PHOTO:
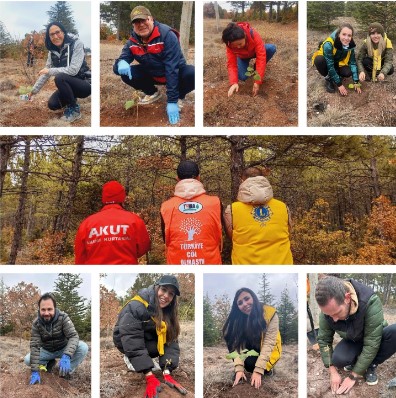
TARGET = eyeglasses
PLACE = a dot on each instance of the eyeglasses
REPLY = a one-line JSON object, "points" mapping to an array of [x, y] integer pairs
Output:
{"points": [[56, 33]]}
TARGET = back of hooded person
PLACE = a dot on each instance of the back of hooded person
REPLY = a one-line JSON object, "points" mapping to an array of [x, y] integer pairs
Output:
{"points": [[259, 225], [191, 221]]}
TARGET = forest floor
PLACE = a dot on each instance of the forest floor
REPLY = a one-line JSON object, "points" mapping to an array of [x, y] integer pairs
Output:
{"points": [[116, 381], [15, 112], [15, 375], [114, 93], [318, 385], [375, 106], [277, 101], [218, 376]]}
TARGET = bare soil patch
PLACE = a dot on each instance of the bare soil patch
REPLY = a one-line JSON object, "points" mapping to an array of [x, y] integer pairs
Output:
{"points": [[15, 375], [277, 102], [318, 384], [117, 382], [218, 376], [17, 113], [114, 93], [375, 106]]}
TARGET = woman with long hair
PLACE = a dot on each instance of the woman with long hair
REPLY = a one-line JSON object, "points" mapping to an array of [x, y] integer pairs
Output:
{"points": [[148, 327], [66, 62], [251, 332], [335, 60], [375, 57]]}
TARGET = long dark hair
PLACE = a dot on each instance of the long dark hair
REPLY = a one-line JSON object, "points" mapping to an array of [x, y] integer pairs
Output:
{"points": [[169, 314], [240, 330], [48, 43]]}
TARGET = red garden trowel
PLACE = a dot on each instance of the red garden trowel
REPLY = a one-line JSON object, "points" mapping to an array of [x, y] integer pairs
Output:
{"points": [[313, 334]]}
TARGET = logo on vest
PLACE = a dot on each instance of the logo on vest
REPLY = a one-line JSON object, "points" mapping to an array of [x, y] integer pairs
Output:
{"points": [[190, 207], [191, 227], [107, 230], [261, 214]]}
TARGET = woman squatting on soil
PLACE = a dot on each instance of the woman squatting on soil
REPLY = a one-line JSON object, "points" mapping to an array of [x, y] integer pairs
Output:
{"points": [[375, 57], [244, 43], [335, 60], [252, 335], [148, 327], [66, 62]]}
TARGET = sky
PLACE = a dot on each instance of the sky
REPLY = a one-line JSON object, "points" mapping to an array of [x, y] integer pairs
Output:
{"points": [[20, 17], [219, 284], [45, 282], [120, 283]]}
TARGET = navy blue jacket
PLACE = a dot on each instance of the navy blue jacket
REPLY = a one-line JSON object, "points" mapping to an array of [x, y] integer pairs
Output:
{"points": [[161, 56]]}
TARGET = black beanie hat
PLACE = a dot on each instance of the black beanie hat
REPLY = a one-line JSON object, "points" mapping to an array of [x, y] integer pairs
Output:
{"points": [[376, 27], [187, 169]]}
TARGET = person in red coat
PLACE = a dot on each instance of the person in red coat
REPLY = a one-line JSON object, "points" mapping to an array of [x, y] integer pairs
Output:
{"points": [[113, 235], [243, 44]]}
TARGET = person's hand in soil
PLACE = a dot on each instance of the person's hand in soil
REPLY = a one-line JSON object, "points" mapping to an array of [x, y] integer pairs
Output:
{"points": [[335, 379], [255, 381], [35, 378], [346, 386], [362, 76], [233, 89], [343, 91], [357, 88], [171, 382], [381, 77], [238, 377], [153, 386], [256, 88], [43, 71]]}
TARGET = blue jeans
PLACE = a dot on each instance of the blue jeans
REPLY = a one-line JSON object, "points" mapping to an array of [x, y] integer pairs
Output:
{"points": [[243, 63], [75, 360]]}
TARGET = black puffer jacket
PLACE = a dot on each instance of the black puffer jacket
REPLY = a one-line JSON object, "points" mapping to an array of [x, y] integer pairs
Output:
{"points": [[135, 330], [54, 336]]}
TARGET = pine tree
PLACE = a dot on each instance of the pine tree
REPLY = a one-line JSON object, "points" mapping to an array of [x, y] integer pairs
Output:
{"points": [[61, 12], [320, 14], [142, 281], [288, 319], [264, 293], [68, 300], [211, 333]]}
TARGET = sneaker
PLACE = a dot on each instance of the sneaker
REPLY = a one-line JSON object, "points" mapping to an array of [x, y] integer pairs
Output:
{"points": [[180, 104], [71, 113], [348, 368], [329, 85], [371, 377], [149, 99]]}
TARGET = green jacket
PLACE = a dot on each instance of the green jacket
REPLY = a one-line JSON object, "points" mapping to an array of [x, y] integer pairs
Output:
{"points": [[366, 326], [387, 58]]}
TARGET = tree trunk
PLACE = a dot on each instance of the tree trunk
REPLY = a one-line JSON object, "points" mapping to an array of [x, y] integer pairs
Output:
{"points": [[313, 305], [185, 25], [183, 147], [373, 168], [118, 21], [19, 216], [237, 164], [216, 8]]}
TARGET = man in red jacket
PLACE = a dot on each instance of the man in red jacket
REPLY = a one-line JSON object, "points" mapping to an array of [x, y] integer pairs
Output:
{"points": [[113, 235], [244, 43]]}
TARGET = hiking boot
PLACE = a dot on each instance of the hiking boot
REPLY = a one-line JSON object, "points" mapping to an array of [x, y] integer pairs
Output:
{"points": [[269, 373], [149, 99], [71, 113], [348, 368], [329, 85], [50, 365], [371, 376]]}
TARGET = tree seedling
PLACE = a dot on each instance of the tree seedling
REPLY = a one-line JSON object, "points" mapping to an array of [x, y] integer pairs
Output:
{"points": [[352, 85], [24, 90], [252, 72]]}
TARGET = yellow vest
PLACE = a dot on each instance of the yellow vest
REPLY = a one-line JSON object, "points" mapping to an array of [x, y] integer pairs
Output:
{"points": [[269, 312], [343, 62], [260, 234]]}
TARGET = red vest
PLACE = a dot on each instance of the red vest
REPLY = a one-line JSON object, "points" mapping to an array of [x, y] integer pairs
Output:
{"points": [[192, 230]]}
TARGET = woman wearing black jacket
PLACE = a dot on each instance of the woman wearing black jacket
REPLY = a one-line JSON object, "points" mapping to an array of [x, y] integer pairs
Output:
{"points": [[66, 62], [148, 327]]}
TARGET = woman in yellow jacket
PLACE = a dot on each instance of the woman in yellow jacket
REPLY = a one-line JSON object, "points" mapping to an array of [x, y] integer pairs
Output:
{"points": [[251, 332]]}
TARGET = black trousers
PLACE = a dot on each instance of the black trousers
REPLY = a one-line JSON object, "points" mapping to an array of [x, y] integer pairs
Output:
{"points": [[347, 351], [69, 88], [368, 65], [321, 66]]}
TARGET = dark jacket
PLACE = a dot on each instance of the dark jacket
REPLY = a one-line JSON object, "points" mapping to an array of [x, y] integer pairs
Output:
{"points": [[161, 56], [135, 335], [59, 334], [365, 326]]}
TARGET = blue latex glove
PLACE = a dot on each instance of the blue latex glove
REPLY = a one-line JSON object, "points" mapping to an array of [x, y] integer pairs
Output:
{"points": [[173, 112], [124, 69], [64, 365], [35, 378]]}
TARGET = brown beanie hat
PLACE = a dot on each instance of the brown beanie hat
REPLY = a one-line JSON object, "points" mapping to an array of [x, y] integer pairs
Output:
{"points": [[376, 27], [113, 192]]}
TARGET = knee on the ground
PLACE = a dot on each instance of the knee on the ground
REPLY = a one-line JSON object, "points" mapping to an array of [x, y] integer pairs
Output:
{"points": [[26, 360], [83, 348]]}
